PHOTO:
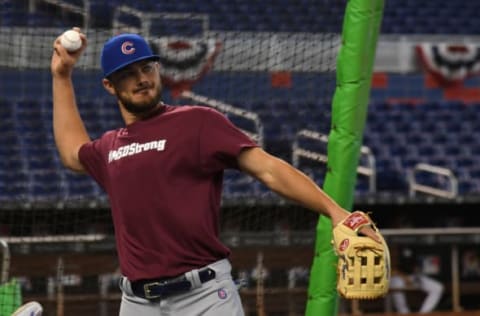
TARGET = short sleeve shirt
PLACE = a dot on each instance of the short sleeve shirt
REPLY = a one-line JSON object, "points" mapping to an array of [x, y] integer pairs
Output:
{"points": [[163, 176]]}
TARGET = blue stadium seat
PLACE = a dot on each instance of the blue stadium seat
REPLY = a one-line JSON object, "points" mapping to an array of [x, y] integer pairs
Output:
{"points": [[15, 184], [322, 16], [400, 135], [45, 185], [79, 186]]}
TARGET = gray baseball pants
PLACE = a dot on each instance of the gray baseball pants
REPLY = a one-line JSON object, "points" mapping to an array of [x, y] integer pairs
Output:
{"points": [[217, 297]]}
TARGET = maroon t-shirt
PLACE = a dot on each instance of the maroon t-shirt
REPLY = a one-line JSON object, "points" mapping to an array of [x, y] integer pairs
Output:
{"points": [[163, 176]]}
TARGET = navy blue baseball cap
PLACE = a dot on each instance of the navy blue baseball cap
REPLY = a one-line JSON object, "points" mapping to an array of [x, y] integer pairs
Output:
{"points": [[123, 50]]}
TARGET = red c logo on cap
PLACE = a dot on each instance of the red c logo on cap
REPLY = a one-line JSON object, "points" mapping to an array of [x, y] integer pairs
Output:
{"points": [[128, 48]]}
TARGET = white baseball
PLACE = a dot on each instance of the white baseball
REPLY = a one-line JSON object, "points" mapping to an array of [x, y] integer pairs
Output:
{"points": [[71, 40]]}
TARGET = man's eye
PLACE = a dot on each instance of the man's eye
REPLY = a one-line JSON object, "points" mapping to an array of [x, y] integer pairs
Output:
{"points": [[147, 68], [124, 74]]}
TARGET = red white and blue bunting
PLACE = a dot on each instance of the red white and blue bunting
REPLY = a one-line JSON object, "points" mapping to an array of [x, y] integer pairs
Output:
{"points": [[185, 61], [450, 62]]}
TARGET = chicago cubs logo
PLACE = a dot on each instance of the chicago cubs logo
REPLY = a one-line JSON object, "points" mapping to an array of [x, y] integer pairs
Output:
{"points": [[222, 294], [344, 244], [128, 48]]}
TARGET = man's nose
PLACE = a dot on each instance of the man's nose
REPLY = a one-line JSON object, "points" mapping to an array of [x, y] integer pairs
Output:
{"points": [[140, 76]]}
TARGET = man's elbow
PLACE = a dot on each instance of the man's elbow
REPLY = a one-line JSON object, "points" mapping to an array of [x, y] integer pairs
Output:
{"points": [[72, 164]]}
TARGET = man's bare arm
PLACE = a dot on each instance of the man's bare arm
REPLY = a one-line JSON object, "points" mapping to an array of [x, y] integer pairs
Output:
{"points": [[291, 183], [68, 128]]}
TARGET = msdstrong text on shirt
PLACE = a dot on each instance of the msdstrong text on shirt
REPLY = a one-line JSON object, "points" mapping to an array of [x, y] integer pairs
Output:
{"points": [[136, 148]]}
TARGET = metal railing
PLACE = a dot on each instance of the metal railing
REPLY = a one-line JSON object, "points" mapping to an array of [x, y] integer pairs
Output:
{"points": [[5, 262], [256, 135], [368, 170], [146, 18], [450, 192], [83, 10]]}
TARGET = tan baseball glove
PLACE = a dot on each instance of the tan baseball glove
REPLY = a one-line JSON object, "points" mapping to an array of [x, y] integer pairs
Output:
{"points": [[363, 270]]}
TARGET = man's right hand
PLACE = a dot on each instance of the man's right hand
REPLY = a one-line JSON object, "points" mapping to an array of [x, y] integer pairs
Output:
{"points": [[62, 61]]}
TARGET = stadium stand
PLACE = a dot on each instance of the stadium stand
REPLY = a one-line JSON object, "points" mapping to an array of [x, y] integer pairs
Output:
{"points": [[401, 134], [400, 17], [411, 119]]}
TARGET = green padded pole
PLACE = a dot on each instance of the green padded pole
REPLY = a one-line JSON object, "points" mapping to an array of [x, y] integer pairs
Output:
{"points": [[361, 26]]}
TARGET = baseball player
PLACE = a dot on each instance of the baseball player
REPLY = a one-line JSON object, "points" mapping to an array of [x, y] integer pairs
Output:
{"points": [[163, 174], [407, 273]]}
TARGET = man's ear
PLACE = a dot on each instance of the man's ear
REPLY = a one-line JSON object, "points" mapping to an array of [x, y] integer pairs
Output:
{"points": [[107, 84]]}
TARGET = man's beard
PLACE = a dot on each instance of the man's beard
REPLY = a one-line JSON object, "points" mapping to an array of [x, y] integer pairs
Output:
{"points": [[140, 107]]}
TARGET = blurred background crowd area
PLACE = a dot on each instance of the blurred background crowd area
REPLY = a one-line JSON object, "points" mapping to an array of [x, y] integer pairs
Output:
{"points": [[273, 61], [423, 104]]}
